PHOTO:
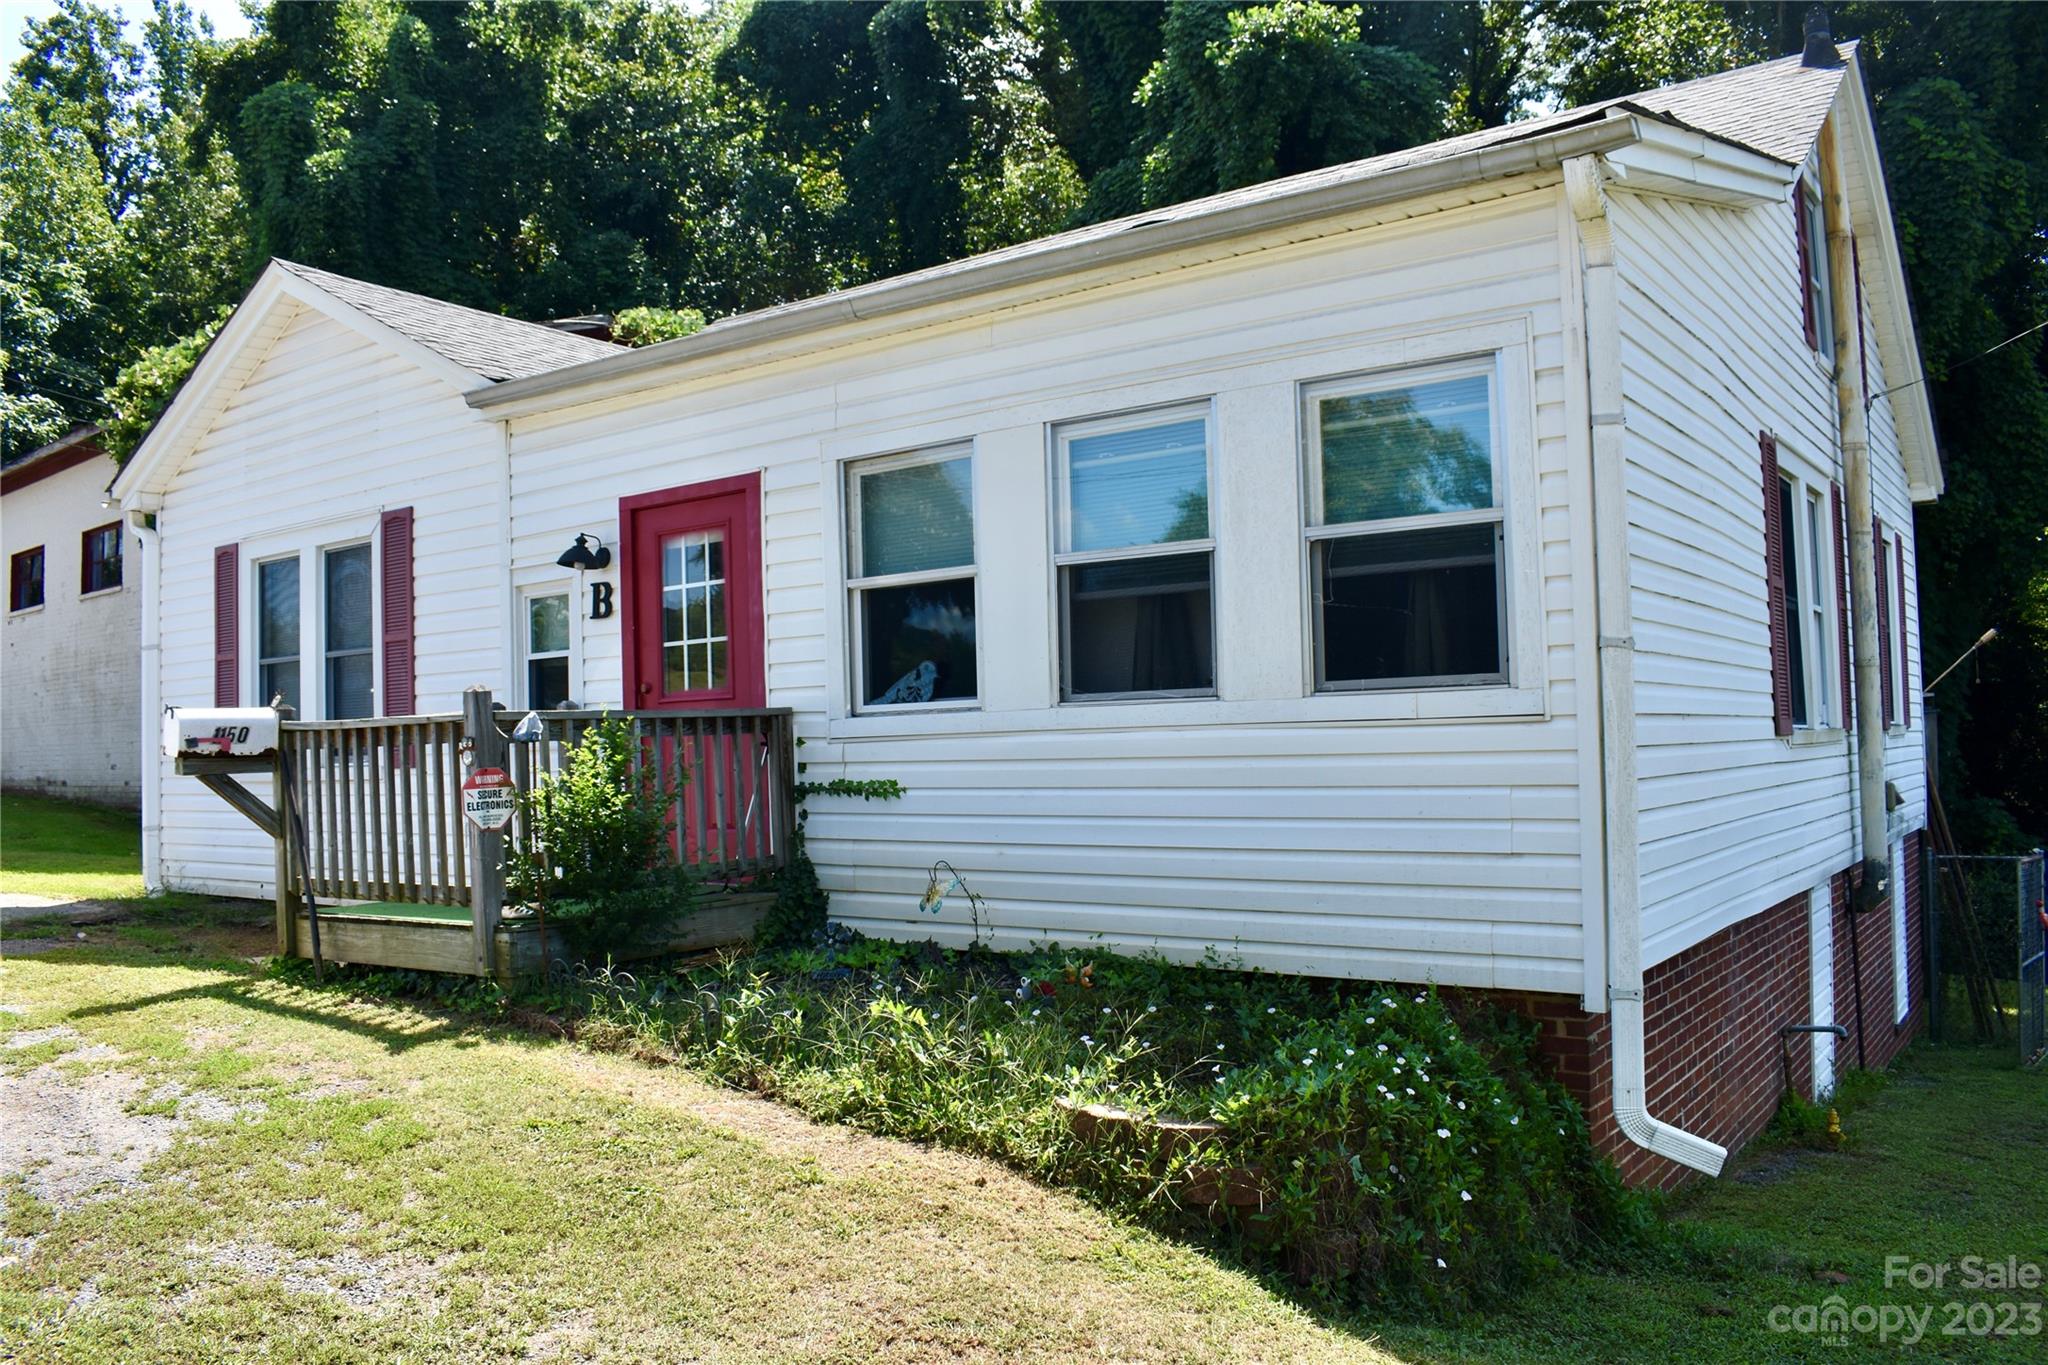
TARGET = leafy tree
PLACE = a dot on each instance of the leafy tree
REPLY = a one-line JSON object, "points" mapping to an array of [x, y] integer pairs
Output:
{"points": [[645, 326]]}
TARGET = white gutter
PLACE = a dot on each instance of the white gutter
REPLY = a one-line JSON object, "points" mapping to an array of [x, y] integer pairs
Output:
{"points": [[1059, 264], [1585, 189], [152, 770]]}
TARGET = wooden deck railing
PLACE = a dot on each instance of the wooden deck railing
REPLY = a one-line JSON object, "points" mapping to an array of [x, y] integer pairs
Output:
{"points": [[383, 808]]}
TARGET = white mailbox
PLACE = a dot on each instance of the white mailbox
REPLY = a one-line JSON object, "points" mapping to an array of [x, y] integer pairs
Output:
{"points": [[220, 731]]}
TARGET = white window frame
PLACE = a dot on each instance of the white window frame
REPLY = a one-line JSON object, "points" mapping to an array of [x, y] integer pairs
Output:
{"points": [[1060, 437], [1822, 706], [1315, 530], [307, 543], [259, 697], [1819, 265], [555, 587], [857, 584]]}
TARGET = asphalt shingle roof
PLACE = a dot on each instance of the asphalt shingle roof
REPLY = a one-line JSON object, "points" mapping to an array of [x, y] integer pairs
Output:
{"points": [[488, 344]]}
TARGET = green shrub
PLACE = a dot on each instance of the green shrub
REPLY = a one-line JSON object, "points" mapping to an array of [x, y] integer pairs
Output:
{"points": [[601, 856], [1402, 1151]]}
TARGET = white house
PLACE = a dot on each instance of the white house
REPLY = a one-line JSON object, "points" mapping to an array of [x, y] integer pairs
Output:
{"points": [[67, 642], [1488, 564]]}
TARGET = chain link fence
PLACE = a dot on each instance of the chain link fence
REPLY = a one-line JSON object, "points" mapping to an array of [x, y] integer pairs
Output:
{"points": [[1985, 944]]}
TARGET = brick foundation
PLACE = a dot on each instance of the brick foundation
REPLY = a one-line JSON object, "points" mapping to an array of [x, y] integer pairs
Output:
{"points": [[1711, 1019]]}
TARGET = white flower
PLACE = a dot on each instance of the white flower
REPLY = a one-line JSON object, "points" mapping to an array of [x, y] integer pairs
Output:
{"points": [[1210, 1006], [1420, 1074], [1219, 1047], [1311, 1052], [1383, 1047], [1086, 1039], [1105, 1009], [1465, 1195], [1272, 1009], [1388, 1002], [1034, 1014], [1440, 1264], [1372, 1019], [1219, 1068], [1560, 1132], [1151, 1009], [1418, 999], [1443, 1132], [1349, 1053], [1409, 1088], [1516, 1122], [1461, 1104]]}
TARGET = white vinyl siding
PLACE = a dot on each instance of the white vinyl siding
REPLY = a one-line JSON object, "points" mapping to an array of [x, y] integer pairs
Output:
{"points": [[327, 429], [1733, 819], [1416, 833]]}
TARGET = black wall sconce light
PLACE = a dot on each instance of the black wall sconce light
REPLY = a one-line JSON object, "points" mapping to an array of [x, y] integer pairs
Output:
{"points": [[582, 556]]}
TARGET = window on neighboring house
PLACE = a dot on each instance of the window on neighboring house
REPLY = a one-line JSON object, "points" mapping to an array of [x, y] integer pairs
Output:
{"points": [[1819, 634], [1135, 556], [1406, 529], [347, 587], [25, 579], [277, 632], [1902, 986], [911, 574], [100, 557], [1814, 264], [1881, 559], [1796, 641], [547, 650]]}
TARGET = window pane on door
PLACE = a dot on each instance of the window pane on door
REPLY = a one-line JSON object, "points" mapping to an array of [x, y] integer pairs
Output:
{"points": [[694, 632], [1409, 605], [1140, 625], [918, 643], [547, 683], [277, 632]]}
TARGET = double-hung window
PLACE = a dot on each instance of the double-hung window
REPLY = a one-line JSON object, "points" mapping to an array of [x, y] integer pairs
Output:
{"points": [[100, 558], [1814, 585], [347, 586], [547, 650], [25, 579], [1798, 562], [1135, 556], [1406, 528], [277, 632], [911, 577], [1819, 278]]}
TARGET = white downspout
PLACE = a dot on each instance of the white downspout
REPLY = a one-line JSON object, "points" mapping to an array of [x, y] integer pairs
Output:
{"points": [[1863, 623], [151, 693], [1584, 181]]}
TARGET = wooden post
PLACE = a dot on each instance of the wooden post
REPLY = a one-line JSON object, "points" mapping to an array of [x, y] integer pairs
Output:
{"points": [[486, 748], [287, 883]]}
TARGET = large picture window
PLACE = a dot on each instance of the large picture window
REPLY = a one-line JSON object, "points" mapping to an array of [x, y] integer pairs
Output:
{"points": [[347, 584], [277, 632], [911, 572], [1136, 556], [1406, 529]]}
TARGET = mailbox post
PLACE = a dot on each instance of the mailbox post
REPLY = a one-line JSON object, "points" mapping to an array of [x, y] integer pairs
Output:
{"points": [[485, 747]]}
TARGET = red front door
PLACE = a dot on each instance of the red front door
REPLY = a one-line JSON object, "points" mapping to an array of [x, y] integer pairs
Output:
{"points": [[690, 583]]}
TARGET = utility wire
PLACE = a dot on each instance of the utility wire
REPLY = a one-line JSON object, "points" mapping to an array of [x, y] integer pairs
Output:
{"points": [[2017, 336]]}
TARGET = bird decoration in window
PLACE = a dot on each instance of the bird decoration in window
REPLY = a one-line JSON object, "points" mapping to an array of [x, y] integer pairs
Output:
{"points": [[919, 684]]}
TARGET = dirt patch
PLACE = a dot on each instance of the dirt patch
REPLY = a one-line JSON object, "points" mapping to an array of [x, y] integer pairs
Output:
{"points": [[72, 1138], [30, 947], [566, 1338], [368, 1283]]}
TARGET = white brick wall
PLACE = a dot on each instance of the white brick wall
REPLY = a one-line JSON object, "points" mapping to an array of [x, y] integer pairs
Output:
{"points": [[68, 669]]}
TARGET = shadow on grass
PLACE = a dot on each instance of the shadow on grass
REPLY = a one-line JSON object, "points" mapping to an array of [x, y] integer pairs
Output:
{"points": [[351, 1016]]}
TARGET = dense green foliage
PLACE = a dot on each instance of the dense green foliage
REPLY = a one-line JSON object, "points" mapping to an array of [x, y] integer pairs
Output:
{"points": [[600, 857], [1393, 1145], [660, 163]]}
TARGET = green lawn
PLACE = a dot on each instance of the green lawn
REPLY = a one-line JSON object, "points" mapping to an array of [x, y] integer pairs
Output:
{"points": [[239, 1167], [69, 851]]}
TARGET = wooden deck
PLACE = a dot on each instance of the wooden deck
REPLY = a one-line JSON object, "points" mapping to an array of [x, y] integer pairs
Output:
{"points": [[427, 938], [369, 828]]}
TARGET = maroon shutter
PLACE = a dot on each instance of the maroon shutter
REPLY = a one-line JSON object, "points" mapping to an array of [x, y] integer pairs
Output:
{"points": [[1805, 263], [1905, 673], [395, 535], [227, 627], [1842, 602], [1884, 618], [1774, 589]]}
